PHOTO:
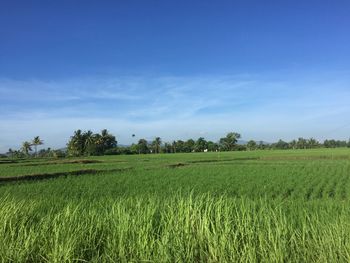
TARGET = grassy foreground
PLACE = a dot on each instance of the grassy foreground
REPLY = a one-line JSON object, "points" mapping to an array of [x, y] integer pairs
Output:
{"points": [[178, 229], [288, 206]]}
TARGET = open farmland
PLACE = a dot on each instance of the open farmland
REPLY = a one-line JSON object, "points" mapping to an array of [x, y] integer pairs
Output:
{"points": [[259, 206]]}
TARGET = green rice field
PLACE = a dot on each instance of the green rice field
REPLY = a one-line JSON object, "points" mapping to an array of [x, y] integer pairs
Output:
{"points": [[258, 206]]}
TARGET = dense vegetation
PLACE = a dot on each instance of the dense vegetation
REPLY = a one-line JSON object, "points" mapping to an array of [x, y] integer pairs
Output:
{"points": [[253, 206], [87, 143]]}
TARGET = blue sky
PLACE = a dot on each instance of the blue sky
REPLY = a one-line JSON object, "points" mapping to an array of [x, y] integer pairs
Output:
{"points": [[174, 69]]}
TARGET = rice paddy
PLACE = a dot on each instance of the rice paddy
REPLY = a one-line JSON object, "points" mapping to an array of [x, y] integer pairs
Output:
{"points": [[259, 206]]}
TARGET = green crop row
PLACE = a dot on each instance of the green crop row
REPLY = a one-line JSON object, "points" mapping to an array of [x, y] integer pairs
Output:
{"points": [[263, 206]]}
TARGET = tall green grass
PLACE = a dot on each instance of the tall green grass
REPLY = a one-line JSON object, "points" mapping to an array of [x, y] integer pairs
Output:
{"points": [[273, 206], [176, 229]]}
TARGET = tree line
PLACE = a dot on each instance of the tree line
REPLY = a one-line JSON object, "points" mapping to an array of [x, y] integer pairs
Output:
{"points": [[27, 148], [227, 143], [87, 143], [302, 143]]}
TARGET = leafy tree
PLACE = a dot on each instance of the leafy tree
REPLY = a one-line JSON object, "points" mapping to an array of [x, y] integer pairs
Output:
{"points": [[312, 143], [262, 145], [180, 146], [251, 145], [117, 151], [142, 146], [201, 145], [167, 148], [134, 148], [45, 153], [229, 142], [189, 146], [98, 144], [330, 143], [212, 146], [334, 143], [293, 144], [88, 143], [282, 145], [15, 153], [301, 143], [58, 154], [156, 144]]}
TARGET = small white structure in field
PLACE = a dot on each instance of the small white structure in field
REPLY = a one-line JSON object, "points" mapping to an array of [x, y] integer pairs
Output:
{"points": [[205, 150]]}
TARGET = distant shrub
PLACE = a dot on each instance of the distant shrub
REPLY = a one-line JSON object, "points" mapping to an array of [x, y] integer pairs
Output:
{"points": [[112, 151], [58, 154], [240, 147]]}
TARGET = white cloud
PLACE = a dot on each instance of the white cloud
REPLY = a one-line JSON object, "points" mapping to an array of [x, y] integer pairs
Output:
{"points": [[260, 107]]}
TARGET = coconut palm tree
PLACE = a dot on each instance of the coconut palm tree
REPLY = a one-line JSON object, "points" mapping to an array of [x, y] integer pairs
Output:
{"points": [[37, 141], [156, 144], [312, 143], [89, 143], [108, 140], [75, 146], [26, 148], [229, 142]]}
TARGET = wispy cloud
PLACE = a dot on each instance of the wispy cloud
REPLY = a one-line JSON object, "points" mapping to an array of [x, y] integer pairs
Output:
{"points": [[259, 106]]}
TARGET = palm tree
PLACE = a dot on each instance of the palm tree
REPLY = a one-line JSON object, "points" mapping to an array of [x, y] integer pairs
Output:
{"points": [[108, 140], [89, 143], [75, 146], [301, 143], [174, 146], [312, 143], [156, 144], [229, 142], [293, 144], [142, 146], [37, 141], [26, 147]]}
